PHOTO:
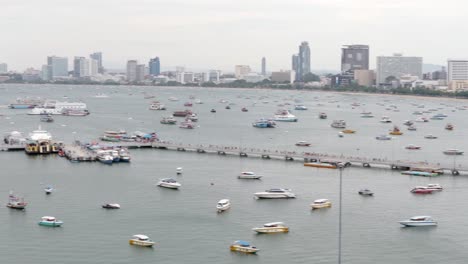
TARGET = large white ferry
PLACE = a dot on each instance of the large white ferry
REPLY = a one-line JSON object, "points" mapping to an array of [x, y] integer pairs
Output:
{"points": [[57, 108]]}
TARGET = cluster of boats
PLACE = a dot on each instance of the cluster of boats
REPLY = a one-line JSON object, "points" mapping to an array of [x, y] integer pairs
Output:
{"points": [[123, 136], [113, 155]]}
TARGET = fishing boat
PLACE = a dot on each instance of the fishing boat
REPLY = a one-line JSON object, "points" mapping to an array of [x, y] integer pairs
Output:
{"points": [[227, 107], [349, 131], [271, 228], [50, 221], [303, 144], [244, 109], [170, 120], [325, 165], [169, 183], [48, 190], [193, 117], [408, 123], [412, 147], [249, 175], [411, 128], [385, 119], [323, 115], [419, 221], [279, 193], [285, 116], [366, 192], [223, 205], [182, 113], [264, 123], [15, 202], [188, 104], [449, 127], [383, 137], [111, 206], [453, 152], [396, 131], [105, 158], [141, 240], [213, 111], [243, 246], [321, 203], [157, 106], [187, 124], [421, 190], [338, 124]]}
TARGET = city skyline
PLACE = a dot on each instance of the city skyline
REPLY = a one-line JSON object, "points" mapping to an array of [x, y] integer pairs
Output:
{"points": [[183, 36]]}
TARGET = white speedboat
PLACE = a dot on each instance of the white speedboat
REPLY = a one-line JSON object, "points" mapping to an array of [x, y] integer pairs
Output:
{"points": [[249, 175], [419, 221], [275, 194], [111, 206], [141, 240], [48, 189], [169, 183], [157, 106], [275, 227], [321, 203], [179, 170], [453, 152], [223, 205], [285, 116]]}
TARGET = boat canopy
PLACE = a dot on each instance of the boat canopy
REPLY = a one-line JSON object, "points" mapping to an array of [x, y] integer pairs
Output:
{"points": [[420, 218], [223, 201], [48, 218], [248, 173], [277, 190], [321, 201], [141, 237], [169, 180], [273, 224], [242, 243]]}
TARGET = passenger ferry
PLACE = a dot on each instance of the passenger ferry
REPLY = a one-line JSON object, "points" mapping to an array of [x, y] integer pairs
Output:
{"points": [[57, 108]]}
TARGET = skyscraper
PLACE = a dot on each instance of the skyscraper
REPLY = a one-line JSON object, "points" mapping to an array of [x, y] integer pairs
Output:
{"points": [[354, 57], [132, 70], [303, 60], [140, 72], [295, 65], [58, 66], [154, 66], [80, 67], [263, 66], [98, 56], [457, 74], [3, 68]]}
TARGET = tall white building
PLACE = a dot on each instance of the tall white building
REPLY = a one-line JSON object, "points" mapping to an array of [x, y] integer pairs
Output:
{"points": [[211, 76], [58, 67], [185, 77], [457, 74], [80, 67], [241, 71], [3, 68], [397, 66], [132, 70], [93, 67]]}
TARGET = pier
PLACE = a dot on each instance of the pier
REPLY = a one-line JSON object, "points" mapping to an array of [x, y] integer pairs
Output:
{"points": [[77, 152]]}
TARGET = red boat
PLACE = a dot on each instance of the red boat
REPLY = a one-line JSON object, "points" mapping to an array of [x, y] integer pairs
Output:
{"points": [[421, 190], [182, 113]]}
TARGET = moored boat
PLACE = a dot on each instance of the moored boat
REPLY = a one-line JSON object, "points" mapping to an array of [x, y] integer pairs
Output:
{"points": [[182, 113], [383, 137], [15, 202], [366, 192], [141, 240], [187, 124], [244, 109], [421, 190], [278, 193], [300, 107], [419, 221], [412, 147], [243, 246], [434, 187], [430, 136], [325, 165], [50, 221], [323, 115], [303, 144], [48, 189], [420, 173], [249, 175], [111, 206], [223, 205], [168, 120], [385, 119], [321, 203], [338, 124], [284, 116], [270, 228], [453, 152], [449, 127], [169, 183], [264, 123], [179, 170], [396, 131], [349, 131]]}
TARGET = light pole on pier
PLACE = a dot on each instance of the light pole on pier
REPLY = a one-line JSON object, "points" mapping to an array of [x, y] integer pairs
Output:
{"points": [[340, 167]]}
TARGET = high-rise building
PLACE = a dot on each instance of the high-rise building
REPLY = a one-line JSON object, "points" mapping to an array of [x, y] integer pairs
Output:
{"points": [[303, 60], [59, 67], [263, 66], [154, 67], [132, 70], [80, 67], [397, 66], [46, 72], [3, 68], [283, 76], [140, 72], [211, 76], [354, 57], [241, 70], [295, 64], [457, 74], [98, 56], [93, 67]]}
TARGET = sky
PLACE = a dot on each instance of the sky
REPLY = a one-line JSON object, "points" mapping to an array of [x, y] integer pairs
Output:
{"points": [[218, 34]]}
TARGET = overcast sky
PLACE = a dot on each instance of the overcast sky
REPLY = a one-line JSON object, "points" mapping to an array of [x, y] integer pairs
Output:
{"points": [[217, 34]]}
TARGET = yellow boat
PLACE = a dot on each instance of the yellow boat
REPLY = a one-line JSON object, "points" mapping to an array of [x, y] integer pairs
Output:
{"points": [[141, 240], [243, 246], [269, 228], [321, 203], [349, 131], [396, 131], [320, 165]]}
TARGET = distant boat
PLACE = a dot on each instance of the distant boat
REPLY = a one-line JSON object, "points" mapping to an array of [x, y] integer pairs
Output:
{"points": [[179, 170], [49, 190], [141, 240], [223, 205], [50, 221], [111, 206], [15, 202], [419, 221]]}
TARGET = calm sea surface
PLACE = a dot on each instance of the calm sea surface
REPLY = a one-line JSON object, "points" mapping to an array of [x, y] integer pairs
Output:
{"points": [[185, 224]]}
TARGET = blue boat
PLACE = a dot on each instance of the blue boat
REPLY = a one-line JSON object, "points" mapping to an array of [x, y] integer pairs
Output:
{"points": [[420, 173], [264, 123]]}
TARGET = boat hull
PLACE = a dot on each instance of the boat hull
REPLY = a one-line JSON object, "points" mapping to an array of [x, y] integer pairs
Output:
{"points": [[319, 206], [274, 196], [249, 250], [320, 165], [51, 224], [141, 243], [271, 230], [413, 224]]}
